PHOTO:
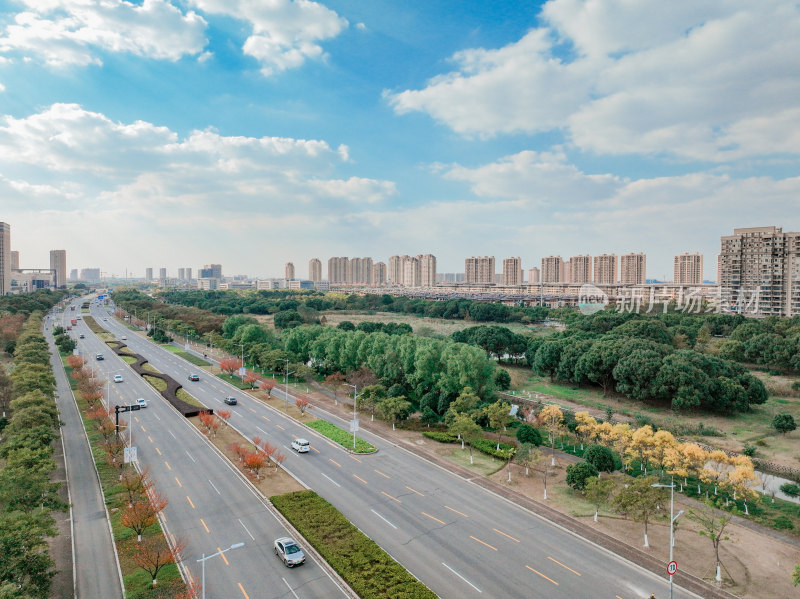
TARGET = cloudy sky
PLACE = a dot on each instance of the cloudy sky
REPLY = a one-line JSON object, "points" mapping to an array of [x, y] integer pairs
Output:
{"points": [[172, 133]]}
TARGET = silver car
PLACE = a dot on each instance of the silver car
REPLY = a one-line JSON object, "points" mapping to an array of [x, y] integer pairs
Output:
{"points": [[289, 552]]}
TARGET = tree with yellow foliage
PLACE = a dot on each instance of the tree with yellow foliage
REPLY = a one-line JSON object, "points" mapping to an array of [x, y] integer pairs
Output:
{"points": [[621, 437], [660, 444], [641, 442], [552, 419]]}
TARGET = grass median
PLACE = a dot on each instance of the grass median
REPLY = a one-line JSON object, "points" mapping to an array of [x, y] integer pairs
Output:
{"points": [[367, 568], [340, 436]]}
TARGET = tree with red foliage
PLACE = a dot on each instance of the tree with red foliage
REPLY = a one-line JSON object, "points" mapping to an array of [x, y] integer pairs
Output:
{"points": [[239, 450], [267, 385], [75, 362], [136, 484], [143, 513], [209, 423], [278, 458], [335, 380], [192, 590], [224, 415], [254, 461], [152, 554], [250, 378], [230, 365], [302, 404], [114, 447]]}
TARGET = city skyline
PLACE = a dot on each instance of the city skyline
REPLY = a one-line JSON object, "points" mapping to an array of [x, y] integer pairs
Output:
{"points": [[187, 132]]}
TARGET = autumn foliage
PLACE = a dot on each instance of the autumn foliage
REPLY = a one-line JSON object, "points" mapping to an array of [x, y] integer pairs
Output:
{"points": [[302, 404], [230, 365], [153, 553], [143, 513], [209, 423]]}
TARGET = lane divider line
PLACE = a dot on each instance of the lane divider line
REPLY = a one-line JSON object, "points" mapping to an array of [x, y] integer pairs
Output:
{"points": [[505, 535], [384, 519], [361, 479], [204, 525], [390, 497], [434, 518], [166, 463], [542, 575], [247, 531], [447, 507], [414, 491], [158, 450], [563, 566], [179, 482], [352, 457], [241, 588], [462, 578], [222, 555], [483, 542], [335, 462], [382, 474], [189, 499]]}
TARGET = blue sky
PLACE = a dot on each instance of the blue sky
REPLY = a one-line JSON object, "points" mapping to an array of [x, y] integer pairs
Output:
{"points": [[174, 133]]}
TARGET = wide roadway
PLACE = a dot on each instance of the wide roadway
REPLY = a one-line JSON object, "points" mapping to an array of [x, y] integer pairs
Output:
{"points": [[457, 538], [210, 506]]}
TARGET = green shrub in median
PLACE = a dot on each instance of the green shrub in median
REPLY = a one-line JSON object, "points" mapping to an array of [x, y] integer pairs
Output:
{"points": [[367, 568], [486, 446], [342, 437]]}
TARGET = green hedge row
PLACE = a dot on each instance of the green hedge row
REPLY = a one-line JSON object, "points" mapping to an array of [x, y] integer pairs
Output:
{"points": [[486, 446], [342, 437], [367, 568]]}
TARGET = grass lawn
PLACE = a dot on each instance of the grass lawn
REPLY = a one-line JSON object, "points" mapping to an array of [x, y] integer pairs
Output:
{"points": [[340, 436], [483, 464], [191, 358]]}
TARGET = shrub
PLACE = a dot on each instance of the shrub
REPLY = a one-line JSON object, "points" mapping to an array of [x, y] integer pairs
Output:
{"points": [[441, 437], [784, 423], [577, 474], [791, 489], [783, 523], [749, 450], [489, 447], [529, 434], [340, 436], [600, 457]]}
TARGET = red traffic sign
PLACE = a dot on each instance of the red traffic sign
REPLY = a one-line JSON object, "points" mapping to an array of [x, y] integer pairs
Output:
{"points": [[672, 567]]}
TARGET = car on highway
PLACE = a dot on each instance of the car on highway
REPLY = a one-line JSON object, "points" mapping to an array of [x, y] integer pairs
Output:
{"points": [[231, 401], [300, 445], [141, 402], [124, 338], [289, 552], [81, 336], [99, 357], [105, 319], [118, 378], [194, 377]]}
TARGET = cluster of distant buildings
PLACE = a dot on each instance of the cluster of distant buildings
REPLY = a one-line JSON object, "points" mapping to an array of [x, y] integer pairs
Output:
{"points": [[758, 273]]}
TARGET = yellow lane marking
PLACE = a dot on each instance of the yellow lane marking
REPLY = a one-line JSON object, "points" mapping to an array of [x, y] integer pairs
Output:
{"points": [[335, 462], [267, 419], [204, 525], [158, 450], [447, 507], [482, 543], [166, 463], [252, 410], [179, 482], [361, 479], [315, 449], [505, 535], [433, 518], [352, 457], [241, 588], [149, 438], [390, 497], [190, 501], [618, 597], [280, 427], [542, 575], [143, 429], [222, 555], [382, 474], [414, 491], [563, 566], [136, 419]]}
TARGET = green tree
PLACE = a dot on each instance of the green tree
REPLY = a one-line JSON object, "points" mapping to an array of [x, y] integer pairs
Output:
{"points": [[287, 319], [527, 433], [24, 554], [640, 501], [600, 457], [499, 417], [598, 491], [784, 423], [527, 456], [579, 473], [712, 523], [502, 379], [394, 409], [232, 323], [466, 403], [467, 429], [6, 391]]}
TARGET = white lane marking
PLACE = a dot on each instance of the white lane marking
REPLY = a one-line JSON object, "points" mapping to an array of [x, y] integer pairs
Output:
{"points": [[215, 488], [190, 456], [173, 434], [290, 589], [384, 519], [286, 448], [157, 416], [330, 479], [247, 531], [462, 578], [261, 429]]}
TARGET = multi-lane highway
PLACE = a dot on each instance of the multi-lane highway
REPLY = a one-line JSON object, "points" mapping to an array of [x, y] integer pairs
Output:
{"points": [[459, 539], [210, 506]]}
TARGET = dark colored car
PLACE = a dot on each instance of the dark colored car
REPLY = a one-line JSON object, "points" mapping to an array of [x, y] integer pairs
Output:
{"points": [[231, 401], [194, 377]]}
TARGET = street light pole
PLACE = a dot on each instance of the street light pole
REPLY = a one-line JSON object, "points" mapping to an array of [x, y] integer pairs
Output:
{"points": [[355, 396], [672, 519], [203, 559], [241, 372], [286, 388]]}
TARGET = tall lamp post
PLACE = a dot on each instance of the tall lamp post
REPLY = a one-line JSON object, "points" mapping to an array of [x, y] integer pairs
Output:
{"points": [[241, 372], [286, 382], [203, 559], [355, 396], [672, 519]]}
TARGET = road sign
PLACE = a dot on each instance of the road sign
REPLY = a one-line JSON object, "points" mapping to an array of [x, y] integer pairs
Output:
{"points": [[135, 408], [242, 371], [186, 346], [354, 426], [129, 454], [122, 409], [672, 567]]}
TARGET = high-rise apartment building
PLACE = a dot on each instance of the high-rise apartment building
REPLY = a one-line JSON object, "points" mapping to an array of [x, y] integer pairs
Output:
{"points": [[512, 271], [5, 258], [759, 272], [605, 269], [73, 274], [189, 274], [289, 271], [181, 274], [162, 273], [580, 269], [216, 270], [379, 273], [90, 274], [633, 269], [58, 264], [533, 275], [14, 260], [360, 271], [315, 270], [427, 266], [552, 270], [412, 272], [688, 269], [394, 271], [338, 270], [566, 271], [148, 274], [479, 269]]}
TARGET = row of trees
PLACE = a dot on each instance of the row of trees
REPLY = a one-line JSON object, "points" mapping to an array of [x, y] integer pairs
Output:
{"points": [[772, 342], [27, 495]]}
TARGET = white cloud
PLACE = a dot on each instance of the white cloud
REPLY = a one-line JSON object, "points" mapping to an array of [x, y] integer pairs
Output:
{"points": [[285, 33], [706, 82], [76, 32]]}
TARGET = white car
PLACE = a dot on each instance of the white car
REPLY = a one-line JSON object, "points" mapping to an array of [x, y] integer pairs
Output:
{"points": [[124, 338], [141, 402], [117, 378], [300, 445]]}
